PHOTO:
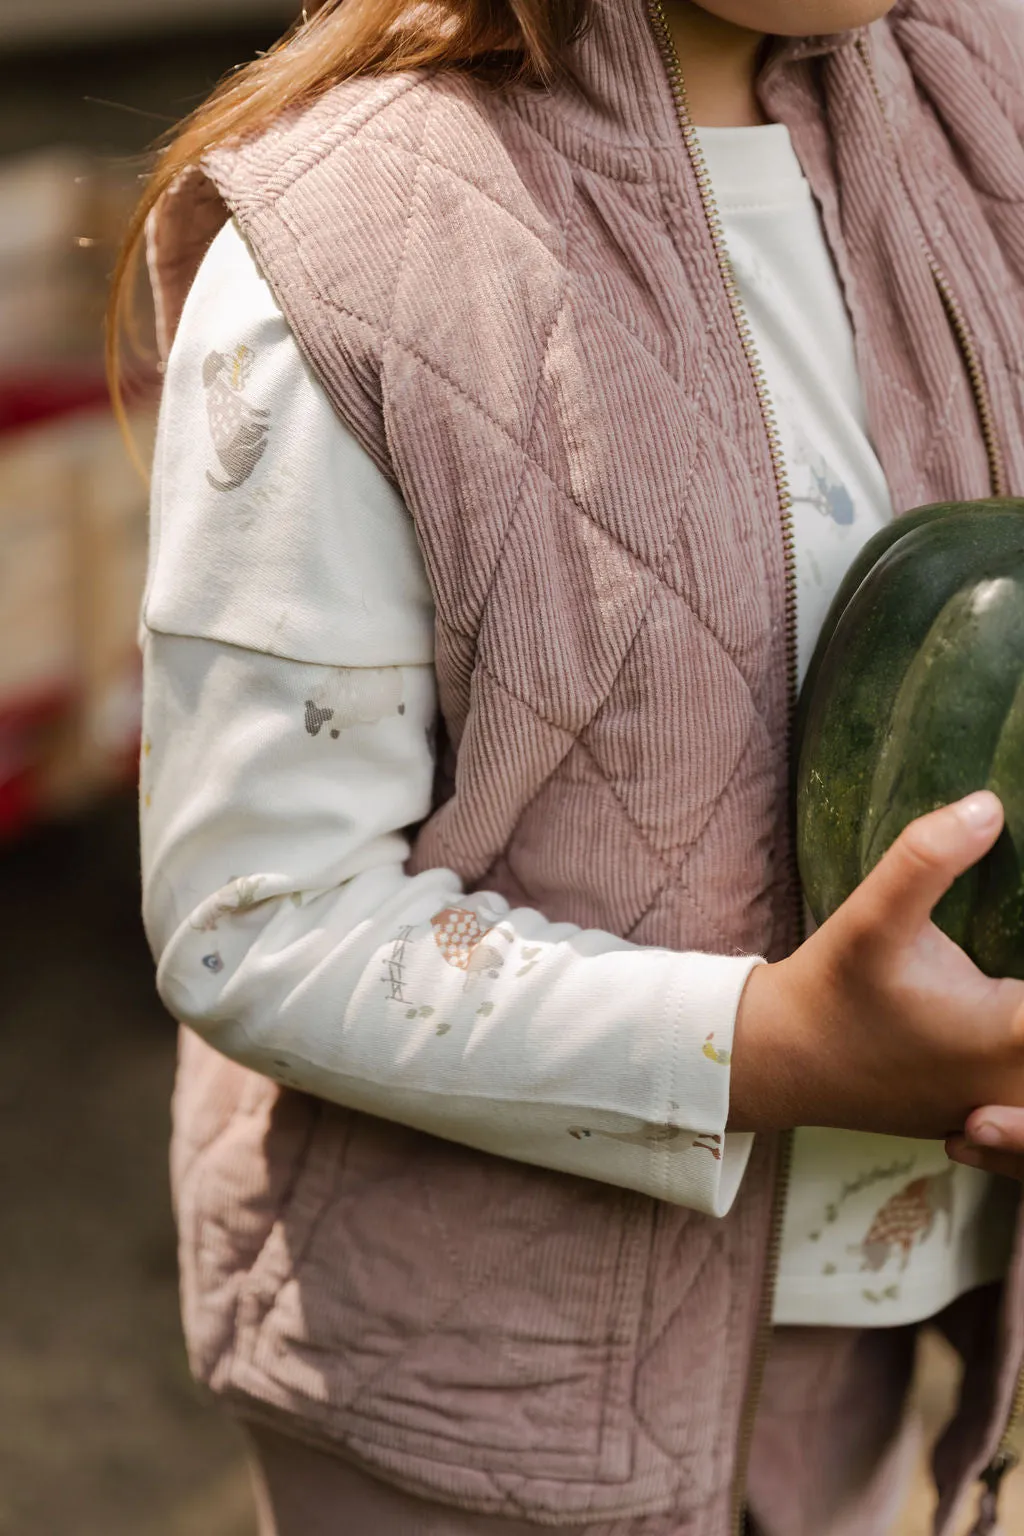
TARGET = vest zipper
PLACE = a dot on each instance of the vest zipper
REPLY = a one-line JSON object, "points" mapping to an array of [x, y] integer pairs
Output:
{"points": [[1011, 1445], [951, 304], [1007, 1457], [677, 84]]}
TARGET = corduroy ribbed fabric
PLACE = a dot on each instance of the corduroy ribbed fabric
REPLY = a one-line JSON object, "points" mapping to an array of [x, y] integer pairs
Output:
{"points": [[514, 302]]}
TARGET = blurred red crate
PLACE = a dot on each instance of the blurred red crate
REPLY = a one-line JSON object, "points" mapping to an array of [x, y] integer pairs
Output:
{"points": [[73, 529], [27, 400]]}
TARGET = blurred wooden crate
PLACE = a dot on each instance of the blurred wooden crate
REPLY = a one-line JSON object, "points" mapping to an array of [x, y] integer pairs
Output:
{"points": [[61, 218], [73, 527]]}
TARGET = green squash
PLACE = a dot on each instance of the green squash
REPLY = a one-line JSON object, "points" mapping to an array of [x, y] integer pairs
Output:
{"points": [[913, 698]]}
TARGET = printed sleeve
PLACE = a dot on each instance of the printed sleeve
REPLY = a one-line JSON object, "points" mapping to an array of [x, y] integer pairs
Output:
{"points": [[271, 527], [288, 934], [289, 709]]}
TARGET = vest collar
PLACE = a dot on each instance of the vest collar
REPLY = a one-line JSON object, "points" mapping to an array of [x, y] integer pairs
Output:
{"points": [[619, 64]]}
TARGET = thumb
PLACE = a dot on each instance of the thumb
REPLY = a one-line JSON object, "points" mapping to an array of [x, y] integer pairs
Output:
{"points": [[907, 883]]}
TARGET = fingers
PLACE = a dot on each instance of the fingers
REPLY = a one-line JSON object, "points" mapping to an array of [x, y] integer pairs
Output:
{"points": [[997, 1128], [1010, 1165], [993, 1140], [900, 892]]}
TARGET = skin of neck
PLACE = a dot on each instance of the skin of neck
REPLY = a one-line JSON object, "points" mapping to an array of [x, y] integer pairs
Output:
{"points": [[719, 61]]}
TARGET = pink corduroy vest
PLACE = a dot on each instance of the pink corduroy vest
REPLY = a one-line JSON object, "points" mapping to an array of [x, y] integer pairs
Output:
{"points": [[514, 302]]}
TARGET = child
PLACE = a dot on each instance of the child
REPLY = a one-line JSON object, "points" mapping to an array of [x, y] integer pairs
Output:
{"points": [[535, 372]]}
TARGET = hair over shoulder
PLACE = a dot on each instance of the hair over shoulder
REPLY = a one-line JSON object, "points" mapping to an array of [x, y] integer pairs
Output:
{"points": [[501, 43]]}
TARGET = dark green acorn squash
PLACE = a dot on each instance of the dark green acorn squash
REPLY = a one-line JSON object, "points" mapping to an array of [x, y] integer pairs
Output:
{"points": [[913, 698]]}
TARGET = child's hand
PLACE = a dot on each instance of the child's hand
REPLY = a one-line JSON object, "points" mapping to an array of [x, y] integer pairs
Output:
{"points": [[879, 1022]]}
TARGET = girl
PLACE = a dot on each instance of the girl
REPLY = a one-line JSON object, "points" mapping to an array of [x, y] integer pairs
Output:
{"points": [[535, 368]]}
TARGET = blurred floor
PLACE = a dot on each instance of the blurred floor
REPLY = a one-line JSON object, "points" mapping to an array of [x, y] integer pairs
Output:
{"points": [[101, 1430]]}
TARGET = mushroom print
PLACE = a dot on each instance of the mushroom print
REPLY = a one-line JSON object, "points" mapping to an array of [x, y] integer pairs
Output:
{"points": [[460, 935]]}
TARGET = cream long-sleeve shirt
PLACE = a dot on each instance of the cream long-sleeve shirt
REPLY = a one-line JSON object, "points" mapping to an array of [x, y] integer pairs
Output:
{"points": [[290, 704]]}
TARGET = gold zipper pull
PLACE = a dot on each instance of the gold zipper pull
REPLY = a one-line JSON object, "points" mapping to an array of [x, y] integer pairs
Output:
{"points": [[992, 1478], [691, 142]]}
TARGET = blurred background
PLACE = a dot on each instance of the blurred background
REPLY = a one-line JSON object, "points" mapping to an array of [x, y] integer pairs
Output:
{"points": [[101, 1430]]}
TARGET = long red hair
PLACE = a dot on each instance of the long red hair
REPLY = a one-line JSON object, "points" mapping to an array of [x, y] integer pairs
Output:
{"points": [[500, 42]]}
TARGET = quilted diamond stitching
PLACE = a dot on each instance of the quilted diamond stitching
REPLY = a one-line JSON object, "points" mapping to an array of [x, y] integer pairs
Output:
{"points": [[537, 1230], [675, 876], [940, 430], [424, 155], [295, 170], [695, 400], [527, 457], [673, 872], [714, 637], [407, 220], [568, 280], [643, 617], [533, 709], [383, 334], [582, 509], [456, 174], [630, 325]]}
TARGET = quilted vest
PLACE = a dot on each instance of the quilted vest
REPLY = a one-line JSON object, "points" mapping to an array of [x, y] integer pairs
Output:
{"points": [[514, 301]]}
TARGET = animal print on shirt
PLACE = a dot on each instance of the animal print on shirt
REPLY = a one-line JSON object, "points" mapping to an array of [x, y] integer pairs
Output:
{"points": [[907, 1218], [238, 429]]}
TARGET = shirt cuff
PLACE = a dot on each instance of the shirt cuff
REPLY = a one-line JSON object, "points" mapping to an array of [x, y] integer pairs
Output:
{"points": [[708, 990]]}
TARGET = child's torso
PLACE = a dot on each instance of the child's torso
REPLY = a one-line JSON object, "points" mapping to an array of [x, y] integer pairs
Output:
{"points": [[878, 1229]]}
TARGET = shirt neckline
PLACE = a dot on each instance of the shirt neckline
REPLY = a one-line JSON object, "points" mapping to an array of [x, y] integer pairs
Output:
{"points": [[754, 167]]}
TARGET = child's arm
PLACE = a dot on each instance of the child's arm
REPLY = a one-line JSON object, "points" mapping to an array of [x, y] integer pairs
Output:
{"points": [[289, 701], [291, 938]]}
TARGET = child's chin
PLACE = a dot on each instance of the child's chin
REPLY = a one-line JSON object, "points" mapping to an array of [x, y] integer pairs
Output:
{"points": [[798, 18]]}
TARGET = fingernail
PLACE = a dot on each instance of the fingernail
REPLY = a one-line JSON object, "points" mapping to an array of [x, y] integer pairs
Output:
{"points": [[987, 1135], [979, 811]]}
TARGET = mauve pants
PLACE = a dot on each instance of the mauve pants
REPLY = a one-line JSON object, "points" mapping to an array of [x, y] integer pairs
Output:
{"points": [[303, 1492]]}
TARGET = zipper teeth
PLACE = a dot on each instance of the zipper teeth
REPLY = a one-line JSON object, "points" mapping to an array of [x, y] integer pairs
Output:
{"points": [[762, 1347], [996, 467], [950, 301], [677, 83], [714, 220], [1008, 1456]]}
